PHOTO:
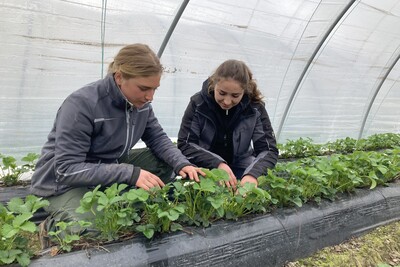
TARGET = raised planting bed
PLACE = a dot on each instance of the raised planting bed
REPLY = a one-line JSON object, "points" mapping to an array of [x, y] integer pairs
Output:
{"points": [[264, 240]]}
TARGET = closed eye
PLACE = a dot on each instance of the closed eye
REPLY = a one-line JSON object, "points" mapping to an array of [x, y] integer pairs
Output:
{"points": [[145, 88]]}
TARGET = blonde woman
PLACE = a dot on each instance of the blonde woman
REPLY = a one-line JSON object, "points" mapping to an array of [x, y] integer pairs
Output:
{"points": [[94, 131]]}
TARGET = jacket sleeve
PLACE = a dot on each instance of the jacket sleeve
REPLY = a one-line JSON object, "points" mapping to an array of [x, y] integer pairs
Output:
{"points": [[74, 128], [161, 145], [189, 139], [264, 143]]}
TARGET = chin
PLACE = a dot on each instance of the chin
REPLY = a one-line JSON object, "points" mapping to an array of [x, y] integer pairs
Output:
{"points": [[140, 105]]}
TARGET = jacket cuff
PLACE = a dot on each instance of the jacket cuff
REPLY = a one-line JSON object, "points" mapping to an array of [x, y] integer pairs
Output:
{"points": [[216, 163], [135, 175]]}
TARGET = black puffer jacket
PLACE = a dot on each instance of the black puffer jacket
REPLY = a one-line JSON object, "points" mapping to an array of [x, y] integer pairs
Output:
{"points": [[254, 143]]}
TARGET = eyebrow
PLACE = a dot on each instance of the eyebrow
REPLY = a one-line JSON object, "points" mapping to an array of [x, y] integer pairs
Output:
{"points": [[146, 87], [234, 94]]}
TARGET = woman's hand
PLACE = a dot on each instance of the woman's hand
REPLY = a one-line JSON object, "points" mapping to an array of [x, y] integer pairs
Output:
{"points": [[232, 178], [192, 172], [148, 180], [249, 179]]}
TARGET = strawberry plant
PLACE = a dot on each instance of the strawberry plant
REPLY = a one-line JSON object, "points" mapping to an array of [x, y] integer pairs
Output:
{"points": [[114, 212], [65, 234], [203, 200], [14, 223], [10, 171], [284, 192], [247, 199], [160, 213]]}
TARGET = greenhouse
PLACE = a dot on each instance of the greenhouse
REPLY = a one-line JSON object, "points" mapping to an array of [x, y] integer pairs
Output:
{"points": [[329, 74]]}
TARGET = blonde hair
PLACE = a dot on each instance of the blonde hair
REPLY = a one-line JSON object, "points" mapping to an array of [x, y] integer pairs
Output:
{"points": [[136, 60], [240, 72]]}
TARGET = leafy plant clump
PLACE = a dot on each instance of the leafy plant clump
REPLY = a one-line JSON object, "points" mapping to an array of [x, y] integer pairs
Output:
{"points": [[10, 171], [14, 224], [120, 212], [305, 147]]}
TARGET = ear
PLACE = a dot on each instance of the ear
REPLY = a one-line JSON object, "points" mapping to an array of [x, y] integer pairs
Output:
{"points": [[118, 78]]}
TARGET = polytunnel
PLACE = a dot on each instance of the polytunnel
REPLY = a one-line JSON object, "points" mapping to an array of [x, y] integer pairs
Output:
{"points": [[328, 70]]}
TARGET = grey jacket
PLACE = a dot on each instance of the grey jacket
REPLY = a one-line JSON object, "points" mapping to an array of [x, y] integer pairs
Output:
{"points": [[254, 143], [94, 127]]}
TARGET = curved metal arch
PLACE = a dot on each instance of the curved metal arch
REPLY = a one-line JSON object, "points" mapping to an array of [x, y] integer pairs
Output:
{"points": [[172, 27], [306, 68], [371, 102]]}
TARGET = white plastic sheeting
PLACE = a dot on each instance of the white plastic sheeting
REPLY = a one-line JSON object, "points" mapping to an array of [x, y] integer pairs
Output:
{"points": [[328, 69]]}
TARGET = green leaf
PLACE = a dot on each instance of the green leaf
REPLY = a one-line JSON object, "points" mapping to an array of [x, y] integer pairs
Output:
{"points": [[179, 187], [176, 227], [297, 201], [220, 212], [29, 227], [373, 183], [215, 202], [21, 219], [23, 259], [9, 162], [8, 231], [219, 175], [162, 214], [137, 194], [71, 238], [149, 233], [9, 256], [122, 187], [173, 215], [207, 185], [30, 157], [147, 230], [122, 214], [16, 205], [180, 208], [382, 169], [35, 203], [102, 203]]}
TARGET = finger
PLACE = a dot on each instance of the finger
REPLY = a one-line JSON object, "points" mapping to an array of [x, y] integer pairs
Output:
{"points": [[183, 174], [156, 181], [160, 182], [195, 176], [201, 172], [233, 180], [142, 185], [233, 184]]}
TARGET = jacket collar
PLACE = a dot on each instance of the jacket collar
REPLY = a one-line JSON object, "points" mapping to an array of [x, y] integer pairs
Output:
{"points": [[114, 92]]}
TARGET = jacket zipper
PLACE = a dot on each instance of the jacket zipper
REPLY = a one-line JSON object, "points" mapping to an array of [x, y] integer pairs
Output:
{"points": [[127, 116]]}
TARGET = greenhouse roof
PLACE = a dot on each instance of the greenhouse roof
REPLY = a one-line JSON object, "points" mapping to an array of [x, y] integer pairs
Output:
{"points": [[327, 69]]}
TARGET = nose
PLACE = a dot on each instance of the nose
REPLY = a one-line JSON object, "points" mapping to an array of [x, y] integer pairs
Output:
{"points": [[227, 101], [149, 95]]}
